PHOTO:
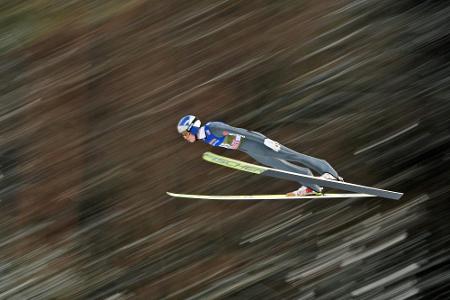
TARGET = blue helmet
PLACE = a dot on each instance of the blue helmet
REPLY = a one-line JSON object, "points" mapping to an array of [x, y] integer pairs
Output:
{"points": [[188, 123]]}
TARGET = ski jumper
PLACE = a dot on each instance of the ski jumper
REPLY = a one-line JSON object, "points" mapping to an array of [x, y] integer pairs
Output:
{"points": [[255, 144]]}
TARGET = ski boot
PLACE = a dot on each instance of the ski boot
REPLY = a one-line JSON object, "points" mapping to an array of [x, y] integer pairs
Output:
{"points": [[304, 191], [331, 177]]}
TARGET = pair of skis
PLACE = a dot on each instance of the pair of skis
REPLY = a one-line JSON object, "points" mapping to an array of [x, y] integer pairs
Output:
{"points": [[358, 191]]}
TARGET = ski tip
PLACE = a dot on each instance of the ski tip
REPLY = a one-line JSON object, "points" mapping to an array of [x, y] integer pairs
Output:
{"points": [[398, 196]]}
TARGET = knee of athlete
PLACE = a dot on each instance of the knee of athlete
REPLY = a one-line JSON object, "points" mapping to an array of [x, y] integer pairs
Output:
{"points": [[325, 162]]}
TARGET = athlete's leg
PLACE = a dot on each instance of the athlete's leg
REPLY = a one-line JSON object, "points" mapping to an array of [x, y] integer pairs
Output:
{"points": [[319, 165], [279, 159], [256, 147], [286, 166]]}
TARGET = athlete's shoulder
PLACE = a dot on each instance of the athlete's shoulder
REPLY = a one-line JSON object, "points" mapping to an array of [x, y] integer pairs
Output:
{"points": [[216, 123], [217, 128]]}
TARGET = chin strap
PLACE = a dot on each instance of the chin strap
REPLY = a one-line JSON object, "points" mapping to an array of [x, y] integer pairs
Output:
{"points": [[195, 127]]}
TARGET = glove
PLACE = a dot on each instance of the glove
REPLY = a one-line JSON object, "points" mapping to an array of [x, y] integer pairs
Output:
{"points": [[275, 146]]}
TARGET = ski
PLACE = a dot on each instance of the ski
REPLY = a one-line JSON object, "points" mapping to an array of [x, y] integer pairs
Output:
{"points": [[265, 197], [304, 179]]}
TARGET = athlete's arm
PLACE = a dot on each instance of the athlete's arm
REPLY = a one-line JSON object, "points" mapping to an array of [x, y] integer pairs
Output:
{"points": [[221, 129]]}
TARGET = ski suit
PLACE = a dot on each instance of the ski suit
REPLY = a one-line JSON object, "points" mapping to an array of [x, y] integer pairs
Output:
{"points": [[219, 134]]}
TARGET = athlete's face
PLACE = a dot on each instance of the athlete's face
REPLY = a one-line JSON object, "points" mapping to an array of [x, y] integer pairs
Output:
{"points": [[188, 137]]}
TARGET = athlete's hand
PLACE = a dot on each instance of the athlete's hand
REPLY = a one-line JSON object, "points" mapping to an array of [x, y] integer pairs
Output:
{"points": [[275, 146]]}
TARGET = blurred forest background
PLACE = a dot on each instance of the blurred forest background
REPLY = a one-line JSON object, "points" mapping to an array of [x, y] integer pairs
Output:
{"points": [[91, 92]]}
